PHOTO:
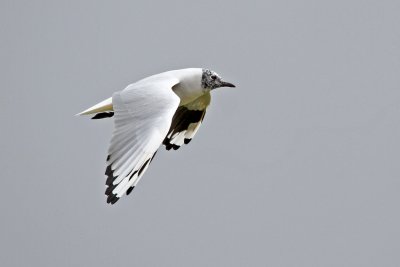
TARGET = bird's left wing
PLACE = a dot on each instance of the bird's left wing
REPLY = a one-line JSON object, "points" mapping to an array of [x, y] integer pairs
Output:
{"points": [[142, 117], [186, 122]]}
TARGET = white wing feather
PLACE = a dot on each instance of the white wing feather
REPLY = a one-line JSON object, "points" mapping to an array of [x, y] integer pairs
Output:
{"points": [[142, 117]]}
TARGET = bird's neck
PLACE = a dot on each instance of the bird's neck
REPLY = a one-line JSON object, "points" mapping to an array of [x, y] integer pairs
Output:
{"points": [[189, 87]]}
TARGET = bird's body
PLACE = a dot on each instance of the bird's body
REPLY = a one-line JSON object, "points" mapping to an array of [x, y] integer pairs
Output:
{"points": [[188, 87], [165, 108]]}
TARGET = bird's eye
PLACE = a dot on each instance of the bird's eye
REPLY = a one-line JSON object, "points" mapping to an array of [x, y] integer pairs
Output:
{"points": [[213, 76]]}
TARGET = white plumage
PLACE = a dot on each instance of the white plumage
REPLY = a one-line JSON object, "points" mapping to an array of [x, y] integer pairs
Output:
{"points": [[166, 108]]}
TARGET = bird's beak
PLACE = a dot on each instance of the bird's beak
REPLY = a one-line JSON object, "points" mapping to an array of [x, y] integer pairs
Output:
{"points": [[226, 84]]}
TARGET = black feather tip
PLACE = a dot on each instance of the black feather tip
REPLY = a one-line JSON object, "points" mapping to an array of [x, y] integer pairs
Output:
{"points": [[103, 115], [129, 190]]}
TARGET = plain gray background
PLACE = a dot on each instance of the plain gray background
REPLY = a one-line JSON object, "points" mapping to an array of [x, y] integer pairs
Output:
{"points": [[297, 166]]}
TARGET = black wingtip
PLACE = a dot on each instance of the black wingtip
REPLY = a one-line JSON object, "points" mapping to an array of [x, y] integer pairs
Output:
{"points": [[187, 140], [153, 156], [129, 190], [110, 175], [112, 199], [109, 180], [175, 147], [108, 171], [103, 115], [109, 189], [143, 166]]}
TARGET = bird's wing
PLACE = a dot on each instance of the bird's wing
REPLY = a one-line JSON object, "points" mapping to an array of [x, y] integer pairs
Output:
{"points": [[143, 115], [186, 122]]}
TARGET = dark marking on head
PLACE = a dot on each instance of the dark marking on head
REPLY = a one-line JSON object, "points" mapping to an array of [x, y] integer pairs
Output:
{"points": [[210, 79]]}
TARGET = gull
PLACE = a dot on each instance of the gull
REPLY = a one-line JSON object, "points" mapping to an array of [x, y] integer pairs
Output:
{"points": [[166, 108]]}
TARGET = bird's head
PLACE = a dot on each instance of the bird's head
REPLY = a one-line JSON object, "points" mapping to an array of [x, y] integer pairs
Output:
{"points": [[211, 80]]}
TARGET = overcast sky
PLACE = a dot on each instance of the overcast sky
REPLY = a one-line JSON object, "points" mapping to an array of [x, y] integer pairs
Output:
{"points": [[297, 166]]}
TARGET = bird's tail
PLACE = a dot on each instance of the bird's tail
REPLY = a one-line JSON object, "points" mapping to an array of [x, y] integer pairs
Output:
{"points": [[102, 110]]}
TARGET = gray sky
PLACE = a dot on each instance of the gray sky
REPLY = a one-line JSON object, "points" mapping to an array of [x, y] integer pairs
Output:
{"points": [[297, 166]]}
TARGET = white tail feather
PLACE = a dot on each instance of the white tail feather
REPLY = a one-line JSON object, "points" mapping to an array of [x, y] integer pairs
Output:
{"points": [[105, 105]]}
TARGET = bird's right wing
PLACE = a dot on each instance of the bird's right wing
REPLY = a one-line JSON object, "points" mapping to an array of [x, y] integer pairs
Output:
{"points": [[142, 116]]}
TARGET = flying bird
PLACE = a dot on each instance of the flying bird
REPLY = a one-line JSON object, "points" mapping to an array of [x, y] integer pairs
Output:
{"points": [[166, 108]]}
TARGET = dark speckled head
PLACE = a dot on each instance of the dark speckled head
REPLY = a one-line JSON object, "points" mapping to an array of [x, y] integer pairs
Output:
{"points": [[211, 80]]}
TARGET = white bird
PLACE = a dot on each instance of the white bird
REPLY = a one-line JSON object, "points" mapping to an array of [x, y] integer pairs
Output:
{"points": [[165, 108]]}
